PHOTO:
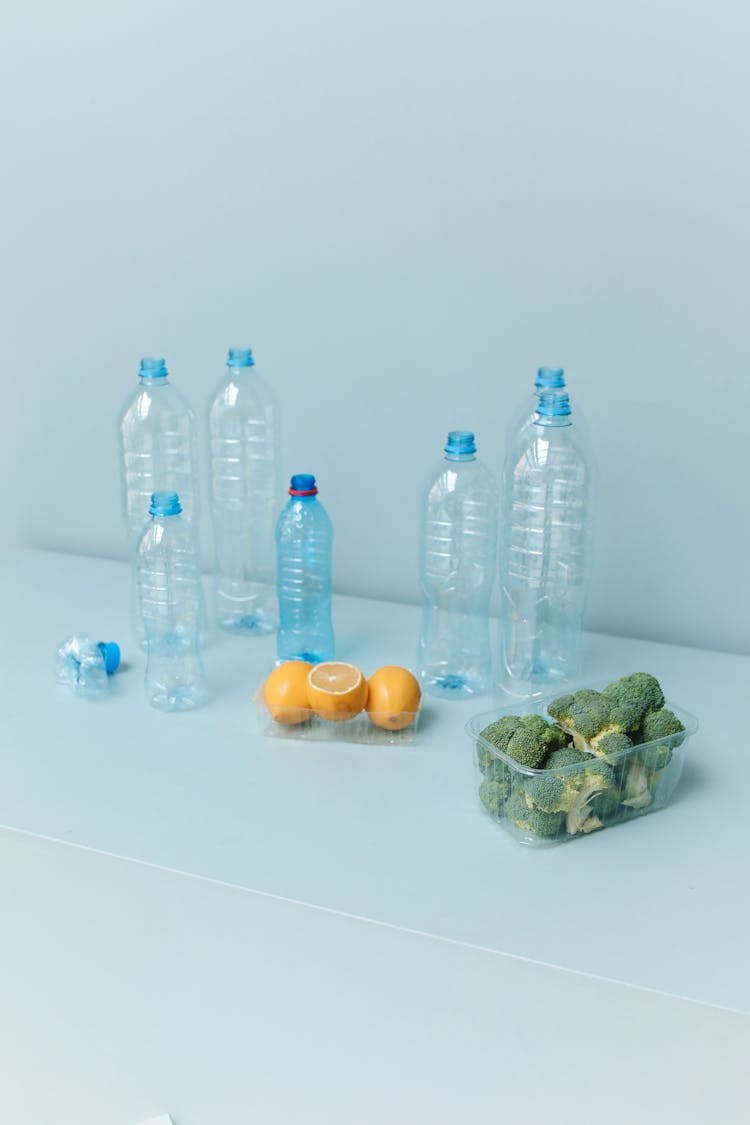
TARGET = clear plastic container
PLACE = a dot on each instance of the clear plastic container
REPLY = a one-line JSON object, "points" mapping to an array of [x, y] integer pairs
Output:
{"points": [[358, 728], [502, 782]]}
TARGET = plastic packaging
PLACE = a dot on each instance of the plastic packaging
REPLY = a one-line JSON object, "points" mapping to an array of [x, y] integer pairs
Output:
{"points": [[244, 490], [169, 597], [457, 571], [304, 540], [502, 783], [544, 553], [86, 666], [158, 448], [310, 727]]}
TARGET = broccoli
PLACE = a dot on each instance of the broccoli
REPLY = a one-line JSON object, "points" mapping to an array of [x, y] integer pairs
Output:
{"points": [[567, 756], [601, 722], [528, 739], [493, 795], [652, 759], [533, 819], [571, 793]]}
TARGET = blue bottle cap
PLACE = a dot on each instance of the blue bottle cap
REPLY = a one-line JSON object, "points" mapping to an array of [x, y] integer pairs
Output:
{"points": [[553, 404], [110, 650], [153, 367], [550, 377], [240, 357], [165, 504], [303, 484], [460, 443]]}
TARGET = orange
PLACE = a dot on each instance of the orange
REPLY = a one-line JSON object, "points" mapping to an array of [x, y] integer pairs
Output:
{"points": [[285, 692], [393, 697], [336, 690]]}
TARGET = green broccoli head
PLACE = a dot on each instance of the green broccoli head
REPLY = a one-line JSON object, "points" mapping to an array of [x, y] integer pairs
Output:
{"points": [[612, 742], [527, 739], [587, 716], [571, 792], [657, 725], [493, 795], [567, 756], [533, 819], [631, 698]]}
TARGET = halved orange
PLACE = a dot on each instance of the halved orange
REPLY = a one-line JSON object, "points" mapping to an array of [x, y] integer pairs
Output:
{"points": [[335, 690], [393, 697], [285, 692]]}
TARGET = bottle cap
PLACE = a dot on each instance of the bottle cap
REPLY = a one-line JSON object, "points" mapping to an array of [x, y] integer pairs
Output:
{"points": [[240, 357], [553, 404], [460, 443], [165, 504], [110, 650], [153, 367], [550, 377], [303, 484]]}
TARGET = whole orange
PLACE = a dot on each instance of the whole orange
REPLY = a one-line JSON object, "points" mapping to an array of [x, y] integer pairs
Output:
{"points": [[393, 697], [285, 692], [336, 691]]}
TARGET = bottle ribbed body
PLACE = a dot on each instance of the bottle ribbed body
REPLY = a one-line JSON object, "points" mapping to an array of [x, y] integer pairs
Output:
{"points": [[304, 538], [544, 559], [457, 572], [244, 490], [168, 592], [158, 450]]}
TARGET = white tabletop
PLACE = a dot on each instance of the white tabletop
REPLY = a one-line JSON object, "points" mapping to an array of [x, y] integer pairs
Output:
{"points": [[393, 835], [127, 992]]}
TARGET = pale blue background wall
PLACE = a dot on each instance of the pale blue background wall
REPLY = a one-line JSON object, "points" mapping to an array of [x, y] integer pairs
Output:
{"points": [[404, 207]]}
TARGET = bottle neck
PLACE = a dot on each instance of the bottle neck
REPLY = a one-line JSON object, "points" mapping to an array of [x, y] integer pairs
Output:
{"points": [[153, 384], [460, 457]]}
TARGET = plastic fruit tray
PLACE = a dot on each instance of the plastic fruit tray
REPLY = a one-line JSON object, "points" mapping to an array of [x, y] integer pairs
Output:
{"points": [[358, 728]]}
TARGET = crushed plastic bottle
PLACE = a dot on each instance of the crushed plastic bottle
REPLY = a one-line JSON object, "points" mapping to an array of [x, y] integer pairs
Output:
{"points": [[85, 666]]}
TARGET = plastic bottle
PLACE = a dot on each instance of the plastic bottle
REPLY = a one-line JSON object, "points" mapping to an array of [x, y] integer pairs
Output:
{"points": [[547, 379], [544, 553], [457, 572], [168, 585], [304, 539], [158, 448], [86, 667], [244, 489]]}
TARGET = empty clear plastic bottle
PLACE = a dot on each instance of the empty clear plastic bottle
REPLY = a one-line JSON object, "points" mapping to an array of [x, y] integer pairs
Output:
{"points": [[158, 448], [544, 553], [244, 490], [547, 379], [168, 585], [304, 540], [86, 666], [457, 572]]}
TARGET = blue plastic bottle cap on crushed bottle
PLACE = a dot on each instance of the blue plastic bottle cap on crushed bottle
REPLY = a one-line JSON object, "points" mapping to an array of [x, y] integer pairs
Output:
{"points": [[553, 404], [153, 367], [165, 504], [240, 357], [303, 484], [550, 377], [460, 442], [110, 650]]}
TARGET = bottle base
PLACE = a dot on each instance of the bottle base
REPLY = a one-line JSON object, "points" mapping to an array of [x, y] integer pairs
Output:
{"points": [[174, 701], [452, 687], [308, 657], [249, 625]]}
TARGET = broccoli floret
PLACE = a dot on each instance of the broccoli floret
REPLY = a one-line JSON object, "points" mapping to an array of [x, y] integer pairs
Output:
{"points": [[493, 795], [587, 716], [631, 698], [526, 738], [651, 759], [612, 742], [636, 792], [532, 819], [571, 793], [567, 756]]}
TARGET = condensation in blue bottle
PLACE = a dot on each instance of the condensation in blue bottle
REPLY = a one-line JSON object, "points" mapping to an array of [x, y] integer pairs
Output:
{"points": [[304, 541], [457, 572], [545, 553], [169, 598]]}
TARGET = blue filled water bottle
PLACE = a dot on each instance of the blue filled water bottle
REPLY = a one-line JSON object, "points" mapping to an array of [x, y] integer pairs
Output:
{"points": [[169, 599], [457, 572], [304, 540], [545, 553]]}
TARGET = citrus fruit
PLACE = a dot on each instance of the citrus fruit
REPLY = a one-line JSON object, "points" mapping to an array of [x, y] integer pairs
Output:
{"points": [[393, 697], [335, 690], [285, 692]]}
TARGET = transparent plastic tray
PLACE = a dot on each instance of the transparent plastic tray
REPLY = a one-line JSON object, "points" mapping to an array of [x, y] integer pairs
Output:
{"points": [[357, 728], [501, 782]]}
